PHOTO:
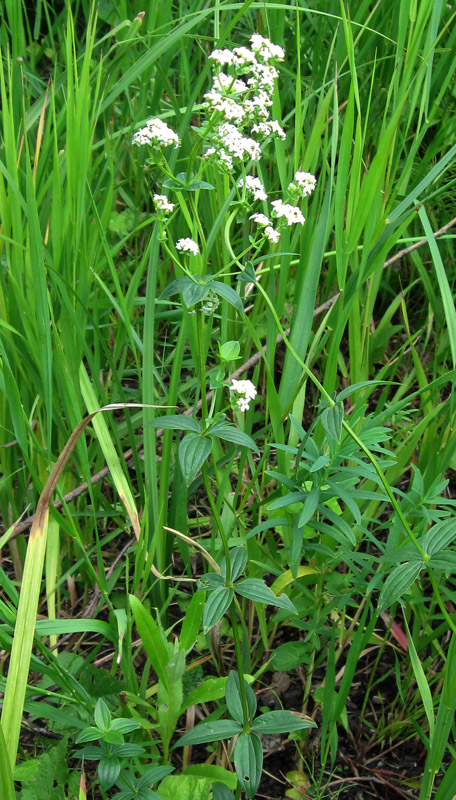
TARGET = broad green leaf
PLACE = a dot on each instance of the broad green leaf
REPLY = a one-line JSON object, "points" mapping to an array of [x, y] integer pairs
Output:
{"points": [[221, 792], [248, 760], [194, 293], [176, 287], [238, 560], [108, 771], [398, 582], [176, 422], [234, 701], [229, 351], [229, 433], [217, 604], [214, 773], [124, 725], [210, 732], [210, 581], [90, 734], [193, 452], [185, 787], [255, 589], [102, 715], [208, 691], [290, 655], [282, 722], [152, 775]]}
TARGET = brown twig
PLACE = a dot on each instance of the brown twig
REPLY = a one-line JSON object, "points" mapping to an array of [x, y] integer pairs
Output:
{"points": [[251, 362]]}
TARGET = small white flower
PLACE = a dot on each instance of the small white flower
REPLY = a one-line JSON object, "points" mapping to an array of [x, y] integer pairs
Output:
{"points": [[256, 107], [246, 392], [272, 234], [292, 214], [268, 128], [220, 155], [187, 246], [243, 56], [303, 184], [232, 111], [261, 219], [266, 49], [236, 144], [226, 83], [253, 186], [156, 133], [162, 203], [263, 77], [222, 56]]}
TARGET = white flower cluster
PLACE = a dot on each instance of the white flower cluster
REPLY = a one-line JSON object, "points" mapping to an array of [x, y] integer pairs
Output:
{"points": [[303, 184], [242, 100], [265, 50], [268, 128], [162, 203], [187, 246], [156, 133], [246, 393], [232, 144], [264, 222], [253, 187], [292, 214]]}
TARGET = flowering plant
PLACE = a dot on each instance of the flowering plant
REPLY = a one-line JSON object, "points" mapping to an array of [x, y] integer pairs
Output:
{"points": [[226, 156]]}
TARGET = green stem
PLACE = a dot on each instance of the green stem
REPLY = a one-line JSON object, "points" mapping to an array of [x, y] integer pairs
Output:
{"points": [[202, 367], [218, 523], [237, 647]]}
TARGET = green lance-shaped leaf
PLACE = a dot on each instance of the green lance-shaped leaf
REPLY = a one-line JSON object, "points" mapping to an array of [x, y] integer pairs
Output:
{"points": [[310, 506], [439, 536], [238, 559], [210, 732], [210, 581], [183, 184], [208, 691], [192, 621], [216, 605], [331, 419], [194, 293], [255, 589], [176, 422], [193, 451], [233, 698], [152, 639], [225, 291], [229, 433], [248, 761], [398, 582], [176, 287], [281, 722], [221, 792]]}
